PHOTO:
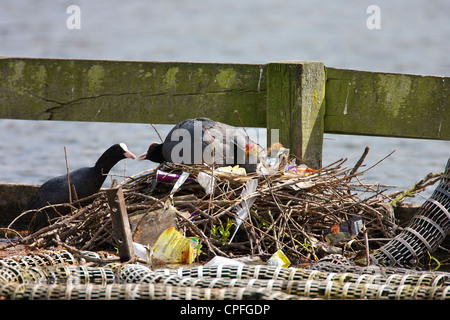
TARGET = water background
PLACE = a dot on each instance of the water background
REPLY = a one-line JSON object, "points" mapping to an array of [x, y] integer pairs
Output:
{"points": [[414, 38]]}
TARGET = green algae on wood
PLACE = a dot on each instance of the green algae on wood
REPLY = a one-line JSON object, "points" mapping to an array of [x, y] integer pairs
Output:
{"points": [[295, 107], [387, 104], [226, 78], [131, 91]]}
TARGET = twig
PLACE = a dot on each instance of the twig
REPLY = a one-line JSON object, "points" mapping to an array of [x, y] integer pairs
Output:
{"points": [[68, 177], [417, 187], [96, 235], [10, 230], [157, 132], [211, 195], [51, 229], [211, 247], [366, 243], [378, 162], [243, 127], [360, 161], [53, 206]]}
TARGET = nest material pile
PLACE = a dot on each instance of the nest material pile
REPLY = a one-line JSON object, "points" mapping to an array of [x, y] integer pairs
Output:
{"points": [[291, 211]]}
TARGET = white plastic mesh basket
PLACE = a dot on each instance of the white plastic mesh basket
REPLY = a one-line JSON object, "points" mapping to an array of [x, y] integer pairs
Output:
{"points": [[426, 231]]}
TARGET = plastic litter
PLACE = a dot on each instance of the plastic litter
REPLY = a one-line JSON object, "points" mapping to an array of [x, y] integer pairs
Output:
{"points": [[182, 179], [279, 259], [232, 170], [218, 260], [245, 260], [141, 251], [173, 247], [344, 231], [302, 169], [206, 181], [147, 227], [163, 176], [352, 226], [244, 208], [426, 231], [276, 159]]}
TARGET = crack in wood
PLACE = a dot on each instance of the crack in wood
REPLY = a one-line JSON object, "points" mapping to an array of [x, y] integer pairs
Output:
{"points": [[50, 111]]}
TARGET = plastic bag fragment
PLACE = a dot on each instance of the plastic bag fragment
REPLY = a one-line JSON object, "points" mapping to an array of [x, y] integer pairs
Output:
{"points": [[244, 208], [173, 247], [206, 181], [279, 259]]}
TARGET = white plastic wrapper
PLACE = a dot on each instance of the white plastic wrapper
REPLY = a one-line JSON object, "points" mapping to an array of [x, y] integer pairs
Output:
{"points": [[244, 207], [206, 181]]}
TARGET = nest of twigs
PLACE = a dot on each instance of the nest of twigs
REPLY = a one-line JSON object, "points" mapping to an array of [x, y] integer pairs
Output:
{"points": [[290, 212]]}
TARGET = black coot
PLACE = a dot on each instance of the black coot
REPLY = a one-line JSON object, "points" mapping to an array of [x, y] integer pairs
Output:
{"points": [[86, 181], [202, 140]]}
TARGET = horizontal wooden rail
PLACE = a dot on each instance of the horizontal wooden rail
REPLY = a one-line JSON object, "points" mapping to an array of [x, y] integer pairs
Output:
{"points": [[131, 91], [301, 99], [387, 104]]}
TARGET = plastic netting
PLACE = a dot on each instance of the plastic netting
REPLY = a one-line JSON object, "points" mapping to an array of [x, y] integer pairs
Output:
{"points": [[135, 281], [426, 231], [134, 292]]}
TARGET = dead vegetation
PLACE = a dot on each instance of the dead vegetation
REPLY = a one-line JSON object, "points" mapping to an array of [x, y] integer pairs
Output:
{"points": [[288, 211]]}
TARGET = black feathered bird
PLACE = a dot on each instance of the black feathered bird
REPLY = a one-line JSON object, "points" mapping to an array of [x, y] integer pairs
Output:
{"points": [[86, 181], [202, 140]]}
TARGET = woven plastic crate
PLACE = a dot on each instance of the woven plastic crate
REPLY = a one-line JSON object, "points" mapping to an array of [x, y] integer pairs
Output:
{"points": [[10, 274], [40, 259], [62, 274], [245, 272], [265, 276], [134, 273], [19, 274], [9, 262], [133, 292], [426, 231], [248, 288]]}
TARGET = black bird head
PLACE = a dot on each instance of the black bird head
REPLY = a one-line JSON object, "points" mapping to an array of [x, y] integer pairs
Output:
{"points": [[154, 153], [120, 150], [112, 155]]}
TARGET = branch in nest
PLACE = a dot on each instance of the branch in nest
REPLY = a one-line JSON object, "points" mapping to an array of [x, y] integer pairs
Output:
{"points": [[417, 187]]}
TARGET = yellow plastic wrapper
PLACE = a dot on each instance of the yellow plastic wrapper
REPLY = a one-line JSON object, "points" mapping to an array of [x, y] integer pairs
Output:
{"points": [[232, 170], [173, 247], [279, 259]]}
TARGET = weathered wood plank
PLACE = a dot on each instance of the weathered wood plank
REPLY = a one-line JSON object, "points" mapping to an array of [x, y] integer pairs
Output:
{"points": [[120, 223], [131, 91], [13, 199], [387, 104], [295, 106]]}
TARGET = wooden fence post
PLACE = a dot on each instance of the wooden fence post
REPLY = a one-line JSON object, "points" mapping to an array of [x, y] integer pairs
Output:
{"points": [[296, 107], [121, 224]]}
